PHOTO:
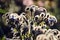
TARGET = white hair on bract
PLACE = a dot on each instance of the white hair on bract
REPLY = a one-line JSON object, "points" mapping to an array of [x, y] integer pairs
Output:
{"points": [[22, 16], [42, 13], [6, 15], [58, 36], [27, 8], [34, 7], [51, 36], [41, 37], [48, 31], [44, 26], [37, 16], [44, 30], [47, 14], [36, 27], [42, 8], [54, 18], [5, 18], [13, 15]]}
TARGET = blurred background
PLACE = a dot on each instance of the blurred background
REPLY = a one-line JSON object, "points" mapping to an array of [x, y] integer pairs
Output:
{"points": [[52, 6]]}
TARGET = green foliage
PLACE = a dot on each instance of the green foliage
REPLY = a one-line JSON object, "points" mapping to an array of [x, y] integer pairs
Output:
{"points": [[3, 11], [2, 38]]}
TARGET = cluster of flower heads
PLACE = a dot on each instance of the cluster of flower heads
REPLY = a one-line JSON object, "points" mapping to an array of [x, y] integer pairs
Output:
{"points": [[33, 21], [51, 34], [40, 14]]}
